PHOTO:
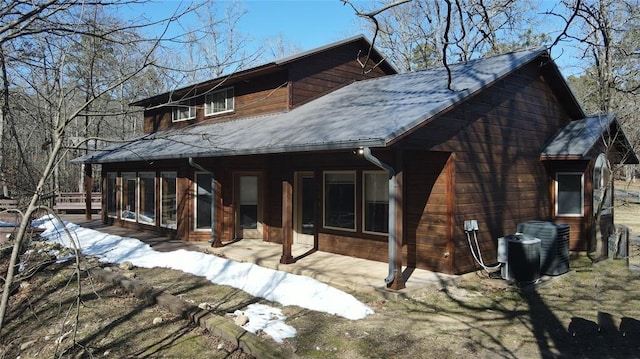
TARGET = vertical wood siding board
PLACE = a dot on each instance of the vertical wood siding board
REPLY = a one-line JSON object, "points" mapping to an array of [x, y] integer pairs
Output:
{"points": [[289, 93], [185, 213], [426, 171], [477, 147]]}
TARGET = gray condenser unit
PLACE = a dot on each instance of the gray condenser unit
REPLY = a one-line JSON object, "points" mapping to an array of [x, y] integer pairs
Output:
{"points": [[554, 245], [520, 255]]}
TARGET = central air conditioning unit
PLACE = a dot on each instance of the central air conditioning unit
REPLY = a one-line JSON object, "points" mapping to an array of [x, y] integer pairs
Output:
{"points": [[554, 245], [520, 256]]}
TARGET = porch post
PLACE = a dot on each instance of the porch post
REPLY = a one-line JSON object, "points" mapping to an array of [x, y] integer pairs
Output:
{"points": [[216, 203], [398, 280], [88, 186], [287, 221]]}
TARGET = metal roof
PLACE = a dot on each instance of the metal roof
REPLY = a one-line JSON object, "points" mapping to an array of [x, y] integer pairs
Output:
{"points": [[371, 113], [578, 139]]}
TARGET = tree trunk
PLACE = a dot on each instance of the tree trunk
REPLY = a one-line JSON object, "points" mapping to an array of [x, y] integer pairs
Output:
{"points": [[26, 219], [3, 180]]}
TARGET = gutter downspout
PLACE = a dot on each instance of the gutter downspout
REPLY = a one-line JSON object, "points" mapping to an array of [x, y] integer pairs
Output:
{"points": [[193, 164], [392, 209]]}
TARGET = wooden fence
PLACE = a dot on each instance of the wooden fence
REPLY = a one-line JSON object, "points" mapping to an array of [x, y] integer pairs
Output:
{"points": [[74, 202], [8, 204], [65, 202]]}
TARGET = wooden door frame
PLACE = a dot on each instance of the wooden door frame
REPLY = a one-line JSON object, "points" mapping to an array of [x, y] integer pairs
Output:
{"points": [[297, 205], [236, 202]]}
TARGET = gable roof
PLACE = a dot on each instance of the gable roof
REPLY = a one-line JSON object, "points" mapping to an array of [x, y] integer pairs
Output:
{"points": [[369, 113], [584, 139], [267, 68]]}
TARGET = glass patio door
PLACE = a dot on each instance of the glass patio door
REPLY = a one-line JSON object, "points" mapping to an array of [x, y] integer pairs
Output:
{"points": [[304, 208], [248, 210]]}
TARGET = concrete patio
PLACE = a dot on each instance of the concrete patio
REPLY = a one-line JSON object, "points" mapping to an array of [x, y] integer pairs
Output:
{"points": [[348, 273]]}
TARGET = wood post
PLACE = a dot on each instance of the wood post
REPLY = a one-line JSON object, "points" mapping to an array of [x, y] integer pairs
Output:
{"points": [[287, 222], [217, 208], [88, 187], [398, 280]]}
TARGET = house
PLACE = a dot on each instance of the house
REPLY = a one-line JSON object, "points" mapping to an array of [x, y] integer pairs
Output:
{"points": [[381, 166]]}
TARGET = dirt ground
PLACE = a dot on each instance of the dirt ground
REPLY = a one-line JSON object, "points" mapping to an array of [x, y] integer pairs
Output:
{"points": [[591, 312]]}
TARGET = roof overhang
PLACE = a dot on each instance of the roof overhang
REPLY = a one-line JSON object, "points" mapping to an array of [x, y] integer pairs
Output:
{"points": [[98, 157], [584, 139]]}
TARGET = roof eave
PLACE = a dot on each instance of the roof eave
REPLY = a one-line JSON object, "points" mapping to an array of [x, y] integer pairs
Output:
{"points": [[346, 145], [563, 90], [545, 157]]}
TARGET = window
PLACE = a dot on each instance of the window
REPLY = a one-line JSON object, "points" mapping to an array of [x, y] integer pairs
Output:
{"points": [[184, 111], [376, 202], [111, 195], [340, 200], [602, 185], [248, 215], [129, 204], [168, 200], [147, 191], [204, 200], [569, 194], [219, 102]]}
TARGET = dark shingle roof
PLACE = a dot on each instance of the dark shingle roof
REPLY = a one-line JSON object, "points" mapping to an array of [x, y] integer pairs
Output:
{"points": [[579, 138], [369, 113]]}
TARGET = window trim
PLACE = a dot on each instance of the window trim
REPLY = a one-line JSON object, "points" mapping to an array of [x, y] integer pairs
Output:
{"points": [[174, 111], [355, 201], [260, 230], [364, 204], [195, 202], [557, 185], [114, 176], [152, 175], [228, 97], [124, 177], [161, 209]]}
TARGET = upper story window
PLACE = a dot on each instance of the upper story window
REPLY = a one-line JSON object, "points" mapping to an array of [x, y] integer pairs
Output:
{"points": [[220, 101], [184, 111]]}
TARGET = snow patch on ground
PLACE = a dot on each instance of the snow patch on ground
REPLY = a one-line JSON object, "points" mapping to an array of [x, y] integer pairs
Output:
{"points": [[284, 288]]}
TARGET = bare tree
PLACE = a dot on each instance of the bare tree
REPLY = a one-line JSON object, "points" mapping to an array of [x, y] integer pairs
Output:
{"points": [[37, 43], [417, 34], [604, 35], [213, 45]]}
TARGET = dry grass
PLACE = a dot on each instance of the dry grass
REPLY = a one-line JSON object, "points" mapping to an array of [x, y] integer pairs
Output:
{"points": [[591, 312], [111, 323], [627, 209]]}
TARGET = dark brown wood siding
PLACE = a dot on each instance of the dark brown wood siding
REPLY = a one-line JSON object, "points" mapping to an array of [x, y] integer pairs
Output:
{"points": [[315, 76], [497, 136], [280, 88], [427, 190], [255, 96], [580, 226]]}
